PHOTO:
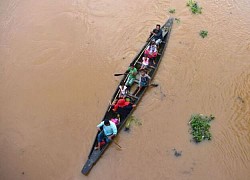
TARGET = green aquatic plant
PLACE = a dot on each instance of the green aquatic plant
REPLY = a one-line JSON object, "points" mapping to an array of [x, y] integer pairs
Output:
{"points": [[203, 33], [132, 119], [177, 20], [194, 7], [200, 127], [172, 11]]}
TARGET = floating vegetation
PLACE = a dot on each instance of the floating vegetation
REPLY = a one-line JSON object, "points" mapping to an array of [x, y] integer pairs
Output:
{"points": [[203, 33], [172, 11], [177, 153], [194, 7], [130, 120], [200, 127], [177, 20]]}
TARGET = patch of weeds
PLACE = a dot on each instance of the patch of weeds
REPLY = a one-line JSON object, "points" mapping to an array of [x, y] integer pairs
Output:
{"points": [[177, 20], [130, 120], [194, 7], [200, 127], [172, 11], [203, 33], [177, 153]]}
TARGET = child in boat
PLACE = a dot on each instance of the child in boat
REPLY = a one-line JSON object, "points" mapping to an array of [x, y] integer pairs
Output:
{"points": [[145, 62], [116, 120], [143, 81], [132, 71], [123, 90], [151, 50]]}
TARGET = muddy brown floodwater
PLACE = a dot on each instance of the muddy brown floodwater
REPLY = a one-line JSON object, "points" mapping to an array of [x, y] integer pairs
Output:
{"points": [[57, 60]]}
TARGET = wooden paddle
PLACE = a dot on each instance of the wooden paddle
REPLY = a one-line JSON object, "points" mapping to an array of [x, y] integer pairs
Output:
{"points": [[117, 144], [153, 85], [120, 74]]}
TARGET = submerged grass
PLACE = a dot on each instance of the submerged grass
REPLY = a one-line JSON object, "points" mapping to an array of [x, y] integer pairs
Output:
{"points": [[172, 11], [200, 127], [132, 119], [194, 7], [177, 20]]}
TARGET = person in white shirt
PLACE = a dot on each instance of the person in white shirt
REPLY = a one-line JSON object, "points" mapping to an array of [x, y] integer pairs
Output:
{"points": [[145, 62], [123, 90]]}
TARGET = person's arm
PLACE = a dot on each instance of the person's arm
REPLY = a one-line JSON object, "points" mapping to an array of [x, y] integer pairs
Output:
{"points": [[153, 32], [159, 34], [140, 80], [114, 129], [134, 72], [127, 70], [126, 90], [149, 79], [100, 125], [148, 76]]}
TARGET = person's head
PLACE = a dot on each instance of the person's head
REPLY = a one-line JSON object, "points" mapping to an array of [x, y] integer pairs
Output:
{"points": [[122, 83], [145, 55], [106, 122], [143, 72], [158, 26], [132, 65], [121, 102], [152, 42]]}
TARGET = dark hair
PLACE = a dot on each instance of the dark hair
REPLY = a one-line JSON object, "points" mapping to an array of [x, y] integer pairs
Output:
{"points": [[158, 25], [122, 83], [152, 42], [106, 122], [143, 70], [132, 65]]}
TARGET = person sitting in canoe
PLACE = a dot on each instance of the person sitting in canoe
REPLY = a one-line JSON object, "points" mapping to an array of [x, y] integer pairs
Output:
{"points": [[123, 107], [145, 62], [143, 81], [157, 32], [123, 90], [151, 50], [109, 131], [116, 120], [124, 111], [132, 71], [120, 104]]}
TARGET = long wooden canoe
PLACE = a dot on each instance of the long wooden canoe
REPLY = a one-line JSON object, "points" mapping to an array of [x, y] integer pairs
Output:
{"points": [[95, 155]]}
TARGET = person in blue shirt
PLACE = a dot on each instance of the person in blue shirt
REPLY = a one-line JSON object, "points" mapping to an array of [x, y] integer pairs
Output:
{"points": [[109, 131]]}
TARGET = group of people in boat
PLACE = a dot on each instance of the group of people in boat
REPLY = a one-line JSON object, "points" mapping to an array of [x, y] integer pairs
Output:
{"points": [[122, 106]]}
